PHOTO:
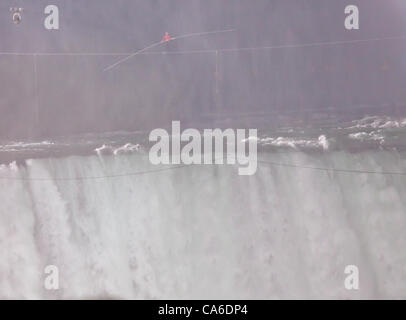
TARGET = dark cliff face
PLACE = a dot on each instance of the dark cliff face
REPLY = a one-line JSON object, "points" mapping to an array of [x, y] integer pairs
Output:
{"points": [[73, 94]]}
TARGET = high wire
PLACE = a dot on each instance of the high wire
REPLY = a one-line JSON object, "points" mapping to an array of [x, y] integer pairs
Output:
{"points": [[264, 162], [161, 42], [111, 176], [326, 169], [220, 50]]}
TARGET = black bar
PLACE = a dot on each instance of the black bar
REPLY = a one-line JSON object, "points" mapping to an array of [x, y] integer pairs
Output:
{"points": [[204, 309]]}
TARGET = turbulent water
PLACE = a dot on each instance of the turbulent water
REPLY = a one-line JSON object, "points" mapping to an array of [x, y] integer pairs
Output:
{"points": [[117, 229]]}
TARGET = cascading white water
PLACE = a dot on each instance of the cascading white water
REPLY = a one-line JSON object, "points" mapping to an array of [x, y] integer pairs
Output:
{"points": [[204, 231]]}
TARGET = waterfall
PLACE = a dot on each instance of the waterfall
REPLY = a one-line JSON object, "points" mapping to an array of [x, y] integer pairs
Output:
{"points": [[203, 231]]}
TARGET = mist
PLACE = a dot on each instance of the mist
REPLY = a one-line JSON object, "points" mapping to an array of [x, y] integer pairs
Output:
{"points": [[71, 94]]}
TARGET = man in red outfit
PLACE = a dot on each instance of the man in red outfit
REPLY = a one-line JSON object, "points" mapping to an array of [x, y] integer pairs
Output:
{"points": [[166, 37]]}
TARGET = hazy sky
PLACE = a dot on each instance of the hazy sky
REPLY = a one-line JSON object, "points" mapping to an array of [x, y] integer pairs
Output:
{"points": [[70, 94]]}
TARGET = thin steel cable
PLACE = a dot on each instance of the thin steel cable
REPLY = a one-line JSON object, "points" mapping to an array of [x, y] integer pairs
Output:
{"points": [[127, 54], [161, 42], [353, 171], [111, 176], [145, 172]]}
